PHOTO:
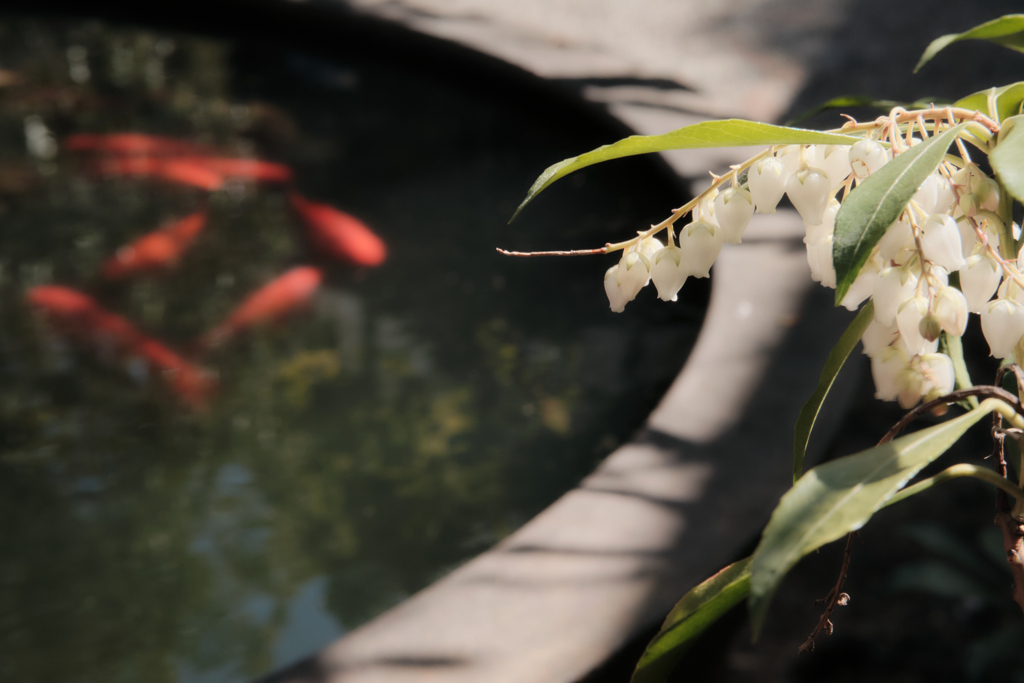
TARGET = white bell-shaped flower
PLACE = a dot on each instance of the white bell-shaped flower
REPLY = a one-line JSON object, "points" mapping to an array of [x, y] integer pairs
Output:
{"points": [[835, 160], [908, 320], [796, 157], [809, 189], [940, 241], [617, 297], [949, 306], [819, 258], [766, 180], [897, 244], [701, 241], [987, 192], [877, 337], [648, 246], [938, 373], [634, 273], [894, 286], [1002, 323], [863, 286], [967, 178], [969, 236], [825, 229], [866, 157], [979, 280], [935, 194], [669, 272], [733, 209], [886, 367]]}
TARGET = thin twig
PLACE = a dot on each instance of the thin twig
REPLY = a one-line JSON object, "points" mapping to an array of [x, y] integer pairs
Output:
{"points": [[986, 391], [835, 598], [571, 252]]}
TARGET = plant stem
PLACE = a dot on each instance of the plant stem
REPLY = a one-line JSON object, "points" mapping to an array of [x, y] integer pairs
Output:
{"points": [[954, 472]]}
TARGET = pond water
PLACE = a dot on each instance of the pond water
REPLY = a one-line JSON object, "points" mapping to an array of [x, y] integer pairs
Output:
{"points": [[337, 450]]}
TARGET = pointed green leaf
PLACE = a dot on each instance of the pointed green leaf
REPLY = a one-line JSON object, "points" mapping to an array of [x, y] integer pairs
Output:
{"points": [[1007, 158], [836, 359], [691, 616], [728, 133], [1006, 30], [878, 201], [862, 101], [838, 497], [1008, 100]]}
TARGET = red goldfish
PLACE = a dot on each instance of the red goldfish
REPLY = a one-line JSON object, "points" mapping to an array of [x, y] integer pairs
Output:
{"points": [[131, 144], [285, 294], [84, 321], [159, 250], [244, 169], [339, 235], [178, 171]]}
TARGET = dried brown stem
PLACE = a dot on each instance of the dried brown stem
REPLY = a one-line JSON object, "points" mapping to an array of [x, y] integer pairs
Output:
{"points": [[1013, 544], [986, 391], [835, 598]]}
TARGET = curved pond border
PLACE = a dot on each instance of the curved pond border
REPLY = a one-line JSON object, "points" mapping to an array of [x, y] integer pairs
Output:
{"points": [[688, 494]]}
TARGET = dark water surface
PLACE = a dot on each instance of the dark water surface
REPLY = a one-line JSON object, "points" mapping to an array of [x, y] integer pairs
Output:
{"points": [[418, 413]]}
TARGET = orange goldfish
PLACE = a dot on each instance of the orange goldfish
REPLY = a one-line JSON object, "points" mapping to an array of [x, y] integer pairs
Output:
{"points": [[282, 296], [338, 235], [80, 318], [159, 250]]}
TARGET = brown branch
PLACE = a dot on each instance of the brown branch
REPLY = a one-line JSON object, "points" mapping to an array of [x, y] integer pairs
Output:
{"points": [[835, 598], [986, 391], [571, 252], [1013, 544]]}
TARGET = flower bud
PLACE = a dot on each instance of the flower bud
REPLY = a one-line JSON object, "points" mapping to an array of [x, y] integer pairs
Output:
{"points": [[894, 286], [967, 178], [1002, 323], [766, 180], [809, 189], [939, 376], [836, 162], [897, 244], [669, 272], [701, 241], [866, 157], [733, 209], [940, 242], [877, 337], [979, 279], [613, 289], [908, 320], [935, 194], [929, 328], [987, 192], [969, 205], [949, 309], [886, 367]]}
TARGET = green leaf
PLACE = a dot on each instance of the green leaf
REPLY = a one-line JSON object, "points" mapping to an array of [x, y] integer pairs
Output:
{"points": [[691, 616], [728, 133], [954, 348], [1007, 30], [1008, 100], [836, 359], [838, 497], [877, 202], [861, 101], [1007, 158]]}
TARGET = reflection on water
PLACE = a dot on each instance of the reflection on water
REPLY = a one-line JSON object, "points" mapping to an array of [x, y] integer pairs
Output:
{"points": [[371, 426]]}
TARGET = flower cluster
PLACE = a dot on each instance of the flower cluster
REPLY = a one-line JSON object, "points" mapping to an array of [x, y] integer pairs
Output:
{"points": [[954, 224]]}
